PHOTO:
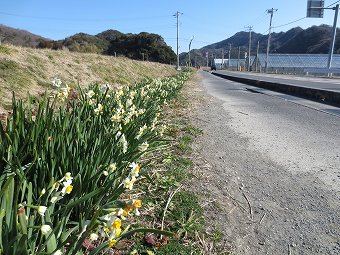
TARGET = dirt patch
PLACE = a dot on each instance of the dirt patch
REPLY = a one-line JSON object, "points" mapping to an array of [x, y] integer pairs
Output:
{"points": [[257, 204]]}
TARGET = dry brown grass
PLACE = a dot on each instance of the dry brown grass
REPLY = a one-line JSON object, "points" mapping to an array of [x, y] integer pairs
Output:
{"points": [[30, 70]]}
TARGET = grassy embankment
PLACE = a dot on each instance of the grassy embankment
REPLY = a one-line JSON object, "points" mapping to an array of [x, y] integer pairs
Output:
{"points": [[30, 70]]}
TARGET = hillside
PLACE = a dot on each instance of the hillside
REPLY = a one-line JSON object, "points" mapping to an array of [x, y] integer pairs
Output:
{"points": [[112, 42], [19, 37], [313, 40], [140, 46], [31, 70]]}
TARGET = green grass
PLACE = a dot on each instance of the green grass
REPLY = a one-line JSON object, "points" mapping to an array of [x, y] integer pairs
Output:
{"points": [[11, 72], [176, 247], [5, 50], [187, 213]]}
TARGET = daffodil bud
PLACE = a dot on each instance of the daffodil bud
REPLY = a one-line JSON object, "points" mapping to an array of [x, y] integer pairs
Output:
{"points": [[41, 210], [45, 229]]}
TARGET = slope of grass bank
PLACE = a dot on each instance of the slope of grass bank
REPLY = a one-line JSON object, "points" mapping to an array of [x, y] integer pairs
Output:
{"points": [[25, 70]]}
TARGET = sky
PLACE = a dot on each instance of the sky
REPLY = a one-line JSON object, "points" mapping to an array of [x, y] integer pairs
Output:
{"points": [[205, 21]]}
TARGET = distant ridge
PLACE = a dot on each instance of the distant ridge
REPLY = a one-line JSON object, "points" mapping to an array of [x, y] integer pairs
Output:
{"points": [[313, 40], [147, 46], [19, 37]]}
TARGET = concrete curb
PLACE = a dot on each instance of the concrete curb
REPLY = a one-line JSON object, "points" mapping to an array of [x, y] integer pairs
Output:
{"points": [[319, 95]]}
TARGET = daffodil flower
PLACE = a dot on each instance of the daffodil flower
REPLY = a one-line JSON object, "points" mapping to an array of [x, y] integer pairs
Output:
{"points": [[94, 237], [90, 94], [137, 213], [56, 82], [128, 183], [117, 223], [124, 143], [141, 111], [141, 131], [67, 187], [144, 146], [137, 203], [135, 168], [99, 109], [68, 176], [112, 242], [113, 167], [116, 118]]}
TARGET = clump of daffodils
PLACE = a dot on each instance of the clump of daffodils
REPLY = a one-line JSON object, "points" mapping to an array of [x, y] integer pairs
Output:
{"points": [[134, 173], [67, 187], [99, 109], [111, 224], [63, 91]]}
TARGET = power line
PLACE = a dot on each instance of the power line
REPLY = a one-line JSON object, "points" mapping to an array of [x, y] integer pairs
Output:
{"points": [[333, 4], [80, 19], [289, 23]]}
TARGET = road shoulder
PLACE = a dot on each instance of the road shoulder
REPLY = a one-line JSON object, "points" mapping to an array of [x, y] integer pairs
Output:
{"points": [[259, 206]]}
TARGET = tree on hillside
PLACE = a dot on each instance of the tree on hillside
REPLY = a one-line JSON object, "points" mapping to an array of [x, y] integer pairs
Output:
{"points": [[137, 46]]}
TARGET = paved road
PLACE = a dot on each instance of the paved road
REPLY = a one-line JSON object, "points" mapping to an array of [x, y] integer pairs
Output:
{"points": [[273, 169], [332, 84]]}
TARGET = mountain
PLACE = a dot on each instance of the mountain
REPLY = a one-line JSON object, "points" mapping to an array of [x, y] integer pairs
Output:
{"points": [[19, 37], [147, 46], [313, 40]]}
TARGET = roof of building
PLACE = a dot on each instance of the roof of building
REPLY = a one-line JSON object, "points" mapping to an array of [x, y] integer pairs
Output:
{"points": [[299, 60], [233, 62], [219, 60]]}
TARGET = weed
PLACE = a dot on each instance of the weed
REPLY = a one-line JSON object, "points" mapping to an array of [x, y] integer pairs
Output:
{"points": [[194, 131], [50, 57], [216, 235], [13, 74], [184, 143], [175, 247], [187, 213], [5, 50]]}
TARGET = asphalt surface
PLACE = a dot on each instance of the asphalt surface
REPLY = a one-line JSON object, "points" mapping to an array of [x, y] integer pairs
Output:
{"points": [[271, 169], [332, 84]]}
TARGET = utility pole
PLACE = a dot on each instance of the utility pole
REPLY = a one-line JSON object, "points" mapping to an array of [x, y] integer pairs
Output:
{"points": [[207, 56], [257, 55], [229, 56], [190, 49], [250, 28], [271, 12], [222, 64], [238, 58], [178, 68], [331, 48], [143, 56]]}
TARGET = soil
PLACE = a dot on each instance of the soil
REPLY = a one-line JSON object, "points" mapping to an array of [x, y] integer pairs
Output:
{"points": [[257, 202]]}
